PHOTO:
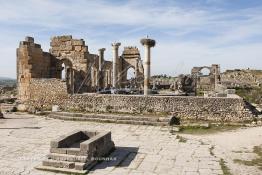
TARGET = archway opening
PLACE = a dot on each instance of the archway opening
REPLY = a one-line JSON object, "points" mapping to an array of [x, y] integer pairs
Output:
{"points": [[131, 74], [204, 72], [63, 73], [131, 77]]}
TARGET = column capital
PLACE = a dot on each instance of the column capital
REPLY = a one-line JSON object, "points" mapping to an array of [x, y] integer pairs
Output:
{"points": [[101, 49], [148, 42], [116, 45]]}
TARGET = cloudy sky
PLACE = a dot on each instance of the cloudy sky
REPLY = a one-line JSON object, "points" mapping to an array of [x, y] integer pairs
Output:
{"points": [[188, 32]]}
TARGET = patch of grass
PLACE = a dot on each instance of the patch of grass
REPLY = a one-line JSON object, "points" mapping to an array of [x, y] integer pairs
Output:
{"points": [[181, 139], [211, 129], [250, 94], [254, 162], [199, 93], [225, 169]]}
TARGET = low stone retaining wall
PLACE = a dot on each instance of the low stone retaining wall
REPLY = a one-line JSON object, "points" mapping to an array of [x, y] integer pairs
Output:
{"points": [[192, 108], [187, 108]]}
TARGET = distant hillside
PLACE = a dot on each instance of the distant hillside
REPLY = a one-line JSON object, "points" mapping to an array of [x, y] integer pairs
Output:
{"points": [[6, 78], [5, 81], [248, 83], [242, 78]]}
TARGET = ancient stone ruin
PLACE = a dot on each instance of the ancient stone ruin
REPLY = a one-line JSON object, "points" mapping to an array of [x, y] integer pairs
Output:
{"points": [[197, 81], [78, 151], [242, 78], [69, 60], [63, 75], [184, 85], [207, 82]]}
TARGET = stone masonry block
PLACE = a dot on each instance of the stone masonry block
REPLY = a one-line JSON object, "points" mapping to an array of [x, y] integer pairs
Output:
{"points": [[29, 39], [64, 38], [78, 48], [78, 42]]}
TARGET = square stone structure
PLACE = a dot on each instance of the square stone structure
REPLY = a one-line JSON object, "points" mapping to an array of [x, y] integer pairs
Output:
{"points": [[77, 152]]}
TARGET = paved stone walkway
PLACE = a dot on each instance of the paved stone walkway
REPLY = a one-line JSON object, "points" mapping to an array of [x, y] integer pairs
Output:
{"points": [[153, 150]]}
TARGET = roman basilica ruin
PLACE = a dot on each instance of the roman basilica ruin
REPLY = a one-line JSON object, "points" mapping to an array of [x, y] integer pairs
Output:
{"points": [[71, 77], [70, 83], [70, 60]]}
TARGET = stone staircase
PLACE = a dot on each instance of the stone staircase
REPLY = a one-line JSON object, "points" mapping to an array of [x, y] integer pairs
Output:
{"points": [[68, 161], [113, 118]]}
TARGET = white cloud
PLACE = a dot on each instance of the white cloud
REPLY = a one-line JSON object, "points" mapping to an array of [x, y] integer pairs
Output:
{"points": [[186, 36]]}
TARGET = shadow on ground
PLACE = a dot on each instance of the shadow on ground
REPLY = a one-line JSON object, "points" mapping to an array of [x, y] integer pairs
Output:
{"points": [[24, 128], [120, 157]]}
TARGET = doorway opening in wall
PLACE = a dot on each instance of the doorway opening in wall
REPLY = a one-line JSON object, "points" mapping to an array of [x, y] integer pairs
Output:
{"points": [[66, 74], [131, 78], [63, 74]]}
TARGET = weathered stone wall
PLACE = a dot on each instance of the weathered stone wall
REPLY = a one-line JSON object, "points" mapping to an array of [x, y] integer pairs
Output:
{"points": [[48, 92], [45, 92], [73, 53], [32, 62], [193, 108]]}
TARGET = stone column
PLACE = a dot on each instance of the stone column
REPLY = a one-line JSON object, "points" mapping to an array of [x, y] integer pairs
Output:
{"points": [[147, 43], [115, 47], [100, 67]]}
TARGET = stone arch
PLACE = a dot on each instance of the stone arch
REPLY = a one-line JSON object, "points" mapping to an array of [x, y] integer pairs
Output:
{"points": [[197, 70], [131, 59], [208, 81], [205, 71]]}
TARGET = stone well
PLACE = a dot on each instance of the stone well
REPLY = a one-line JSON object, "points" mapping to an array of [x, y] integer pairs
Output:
{"points": [[78, 151]]}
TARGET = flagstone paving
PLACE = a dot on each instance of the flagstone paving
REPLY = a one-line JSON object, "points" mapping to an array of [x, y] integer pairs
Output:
{"points": [[25, 142]]}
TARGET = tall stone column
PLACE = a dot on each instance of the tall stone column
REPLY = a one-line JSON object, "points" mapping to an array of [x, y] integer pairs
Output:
{"points": [[147, 43], [100, 67], [101, 58], [115, 47]]}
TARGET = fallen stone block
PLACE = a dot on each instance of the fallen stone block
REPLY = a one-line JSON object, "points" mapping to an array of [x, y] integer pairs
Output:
{"points": [[55, 108]]}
